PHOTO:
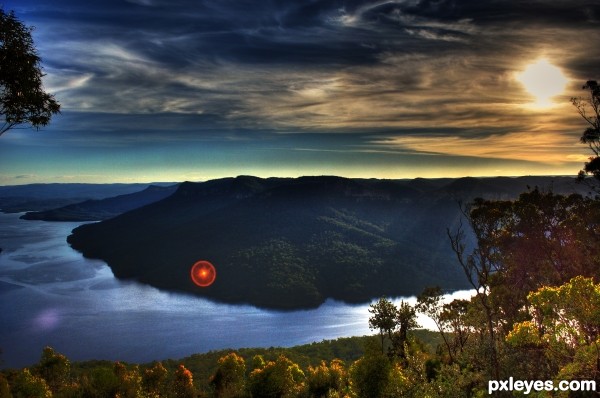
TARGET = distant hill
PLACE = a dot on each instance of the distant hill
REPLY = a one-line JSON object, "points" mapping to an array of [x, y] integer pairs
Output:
{"points": [[41, 197], [102, 209], [292, 243]]}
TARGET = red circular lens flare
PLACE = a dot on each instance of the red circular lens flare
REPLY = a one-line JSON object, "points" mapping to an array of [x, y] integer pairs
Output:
{"points": [[203, 273]]}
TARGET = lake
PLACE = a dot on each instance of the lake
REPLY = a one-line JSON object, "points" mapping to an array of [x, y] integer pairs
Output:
{"points": [[51, 295]]}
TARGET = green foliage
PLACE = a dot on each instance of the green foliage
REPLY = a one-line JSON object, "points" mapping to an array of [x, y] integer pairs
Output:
{"points": [[258, 362], [541, 239], [54, 368], [4, 388], [406, 320], [393, 322], [129, 381], [324, 380], [454, 319], [566, 326], [154, 380], [370, 375], [102, 382], [384, 318], [230, 378], [276, 379], [455, 381], [22, 98], [26, 385], [282, 272]]}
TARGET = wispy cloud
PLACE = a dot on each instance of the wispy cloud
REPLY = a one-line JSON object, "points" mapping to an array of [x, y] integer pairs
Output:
{"points": [[206, 70], [541, 147], [25, 176]]}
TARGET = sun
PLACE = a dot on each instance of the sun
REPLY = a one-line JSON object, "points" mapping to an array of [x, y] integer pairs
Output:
{"points": [[544, 81]]}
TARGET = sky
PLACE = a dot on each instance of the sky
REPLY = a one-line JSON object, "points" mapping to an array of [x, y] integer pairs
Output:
{"points": [[175, 90]]}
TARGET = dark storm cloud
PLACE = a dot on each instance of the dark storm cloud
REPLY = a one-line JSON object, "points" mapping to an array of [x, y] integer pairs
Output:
{"points": [[178, 33], [292, 31], [506, 12]]}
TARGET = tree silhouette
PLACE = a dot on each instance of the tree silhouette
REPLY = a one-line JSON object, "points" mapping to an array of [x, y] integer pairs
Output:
{"points": [[394, 323], [479, 266], [406, 319], [589, 109], [23, 100], [429, 302], [384, 318]]}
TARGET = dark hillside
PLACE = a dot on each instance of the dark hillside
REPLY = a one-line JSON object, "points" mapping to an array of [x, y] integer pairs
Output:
{"points": [[42, 197], [292, 243], [102, 209]]}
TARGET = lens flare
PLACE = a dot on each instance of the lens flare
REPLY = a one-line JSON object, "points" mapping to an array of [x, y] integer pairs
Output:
{"points": [[203, 273]]}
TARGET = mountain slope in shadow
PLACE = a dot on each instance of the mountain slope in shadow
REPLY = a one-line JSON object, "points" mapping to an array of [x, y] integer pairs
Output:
{"points": [[102, 209], [293, 243]]}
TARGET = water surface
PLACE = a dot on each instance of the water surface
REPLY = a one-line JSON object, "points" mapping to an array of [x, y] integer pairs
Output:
{"points": [[51, 295]]}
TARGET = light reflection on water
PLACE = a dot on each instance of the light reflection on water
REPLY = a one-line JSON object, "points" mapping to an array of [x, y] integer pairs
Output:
{"points": [[51, 295]]}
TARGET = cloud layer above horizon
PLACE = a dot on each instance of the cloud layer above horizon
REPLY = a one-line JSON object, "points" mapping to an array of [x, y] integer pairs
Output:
{"points": [[195, 89]]}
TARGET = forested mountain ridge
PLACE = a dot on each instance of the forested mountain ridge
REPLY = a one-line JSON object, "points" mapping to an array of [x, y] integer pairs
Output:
{"points": [[293, 243]]}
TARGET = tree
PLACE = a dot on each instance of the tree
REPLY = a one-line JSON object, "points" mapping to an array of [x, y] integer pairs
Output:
{"points": [[406, 319], [183, 383], [282, 378], [154, 380], [23, 100], [130, 381], [429, 302], [54, 368], [589, 109], [370, 375], [229, 380], [394, 323], [539, 239], [27, 386], [565, 324], [454, 318], [324, 381], [4, 387], [479, 266], [384, 318]]}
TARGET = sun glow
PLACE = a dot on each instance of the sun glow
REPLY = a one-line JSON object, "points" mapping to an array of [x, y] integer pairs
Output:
{"points": [[544, 81]]}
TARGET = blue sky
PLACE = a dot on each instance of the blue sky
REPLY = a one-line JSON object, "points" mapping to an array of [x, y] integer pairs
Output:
{"points": [[173, 90]]}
